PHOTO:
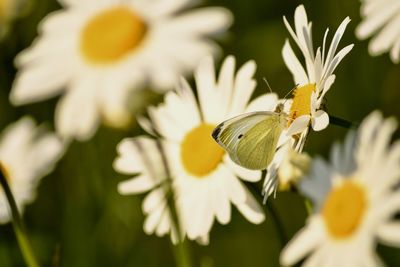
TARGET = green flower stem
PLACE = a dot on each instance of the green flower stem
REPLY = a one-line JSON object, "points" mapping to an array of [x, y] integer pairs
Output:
{"points": [[341, 122], [181, 249], [309, 206], [23, 242], [278, 223], [271, 210]]}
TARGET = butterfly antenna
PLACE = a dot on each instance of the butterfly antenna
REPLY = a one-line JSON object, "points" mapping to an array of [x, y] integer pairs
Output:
{"points": [[291, 90], [266, 81]]}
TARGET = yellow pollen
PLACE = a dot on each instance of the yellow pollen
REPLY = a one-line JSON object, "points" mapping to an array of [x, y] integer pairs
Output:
{"points": [[343, 209], [301, 102], [111, 35], [200, 154]]}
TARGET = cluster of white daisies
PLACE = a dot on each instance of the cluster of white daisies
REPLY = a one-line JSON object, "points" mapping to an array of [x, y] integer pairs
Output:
{"points": [[96, 53]]}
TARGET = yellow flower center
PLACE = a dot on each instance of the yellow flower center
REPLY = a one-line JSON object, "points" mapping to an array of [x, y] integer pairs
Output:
{"points": [[200, 154], [343, 209], [111, 35], [301, 104]]}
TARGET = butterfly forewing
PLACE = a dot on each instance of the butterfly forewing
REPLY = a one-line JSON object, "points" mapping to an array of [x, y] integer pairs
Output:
{"points": [[251, 138]]}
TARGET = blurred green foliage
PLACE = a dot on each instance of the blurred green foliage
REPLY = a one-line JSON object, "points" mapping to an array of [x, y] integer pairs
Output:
{"points": [[79, 219]]}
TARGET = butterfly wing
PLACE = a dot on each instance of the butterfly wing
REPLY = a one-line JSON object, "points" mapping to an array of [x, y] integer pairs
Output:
{"points": [[251, 138]]}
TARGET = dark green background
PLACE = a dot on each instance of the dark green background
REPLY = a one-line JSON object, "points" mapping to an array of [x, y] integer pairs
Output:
{"points": [[79, 219]]}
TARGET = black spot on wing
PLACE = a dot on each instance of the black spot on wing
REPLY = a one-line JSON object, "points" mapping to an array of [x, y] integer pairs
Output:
{"points": [[240, 136], [216, 131]]}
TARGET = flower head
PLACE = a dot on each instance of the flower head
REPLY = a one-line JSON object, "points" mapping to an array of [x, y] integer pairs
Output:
{"points": [[313, 81], [205, 180], [354, 199], [106, 50], [27, 153], [316, 78], [382, 19]]}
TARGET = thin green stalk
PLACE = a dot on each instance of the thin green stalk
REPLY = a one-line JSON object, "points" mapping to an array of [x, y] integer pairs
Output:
{"points": [[278, 223], [20, 233], [181, 249], [272, 211]]}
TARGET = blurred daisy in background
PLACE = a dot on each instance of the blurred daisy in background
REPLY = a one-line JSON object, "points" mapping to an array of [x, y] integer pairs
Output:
{"points": [[9, 10], [355, 200], [381, 19], [98, 52], [205, 180], [312, 83], [27, 153]]}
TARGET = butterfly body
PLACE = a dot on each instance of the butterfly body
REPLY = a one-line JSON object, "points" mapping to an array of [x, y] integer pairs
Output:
{"points": [[251, 139]]}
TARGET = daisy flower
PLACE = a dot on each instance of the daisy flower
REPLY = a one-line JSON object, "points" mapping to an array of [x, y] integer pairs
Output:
{"points": [[312, 83], [354, 199], [97, 52], [205, 180], [382, 19], [27, 153]]}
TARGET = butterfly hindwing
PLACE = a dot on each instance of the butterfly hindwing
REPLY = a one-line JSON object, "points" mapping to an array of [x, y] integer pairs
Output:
{"points": [[257, 147]]}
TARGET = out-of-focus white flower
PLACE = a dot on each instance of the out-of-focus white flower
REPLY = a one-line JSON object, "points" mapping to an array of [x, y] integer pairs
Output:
{"points": [[205, 180], [97, 52], [9, 10], [293, 168], [27, 153], [354, 199], [312, 83], [382, 19]]}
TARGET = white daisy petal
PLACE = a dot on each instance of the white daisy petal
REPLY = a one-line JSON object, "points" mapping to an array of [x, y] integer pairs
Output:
{"points": [[136, 185], [294, 65], [243, 88], [146, 124], [336, 39], [193, 23], [381, 18], [386, 38], [373, 23], [395, 51], [252, 210], [225, 83], [266, 102], [34, 84], [79, 123], [320, 120], [303, 243], [222, 206], [389, 233], [245, 174], [298, 125], [205, 82]]}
